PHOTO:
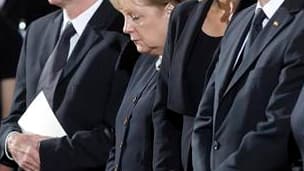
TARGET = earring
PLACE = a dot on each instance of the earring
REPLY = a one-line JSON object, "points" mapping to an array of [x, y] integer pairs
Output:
{"points": [[231, 12], [169, 8]]}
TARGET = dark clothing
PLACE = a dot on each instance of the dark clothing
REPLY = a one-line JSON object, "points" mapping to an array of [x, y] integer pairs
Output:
{"points": [[26, 10], [297, 127], [183, 48], [187, 56], [134, 127], [193, 82], [87, 96], [243, 123], [10, 46], [196, 67]]}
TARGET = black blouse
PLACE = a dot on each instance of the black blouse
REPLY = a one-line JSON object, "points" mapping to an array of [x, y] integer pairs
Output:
{"points": [[197, 66]]}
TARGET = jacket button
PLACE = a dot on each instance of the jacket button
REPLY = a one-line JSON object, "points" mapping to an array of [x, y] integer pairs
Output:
{"points": [[121, 144], [216, 145]]}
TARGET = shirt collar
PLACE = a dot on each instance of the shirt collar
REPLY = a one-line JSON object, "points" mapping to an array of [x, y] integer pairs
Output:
{"points": [[270, 7], [158, 63], [81, 21]]}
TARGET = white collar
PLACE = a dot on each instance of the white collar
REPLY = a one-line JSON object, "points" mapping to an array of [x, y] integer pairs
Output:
{"points": [[270, 7], [158, 63], [81, 21]]}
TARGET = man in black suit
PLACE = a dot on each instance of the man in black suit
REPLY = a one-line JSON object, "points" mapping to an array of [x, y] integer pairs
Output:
{"points": [[243, 121], [70, 55]]}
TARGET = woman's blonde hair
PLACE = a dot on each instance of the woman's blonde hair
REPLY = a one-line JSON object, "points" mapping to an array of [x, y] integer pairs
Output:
{"points": [[118, 3]]}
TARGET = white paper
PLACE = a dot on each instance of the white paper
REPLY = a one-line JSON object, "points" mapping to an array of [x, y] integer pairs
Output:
{"points": [[40, 119]]}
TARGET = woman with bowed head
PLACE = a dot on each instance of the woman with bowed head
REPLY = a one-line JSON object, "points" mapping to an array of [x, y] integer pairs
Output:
{"points": [[146, 22]]}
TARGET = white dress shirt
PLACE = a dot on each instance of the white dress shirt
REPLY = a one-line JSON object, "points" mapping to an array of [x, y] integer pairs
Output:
{"points": [[79, 23]]}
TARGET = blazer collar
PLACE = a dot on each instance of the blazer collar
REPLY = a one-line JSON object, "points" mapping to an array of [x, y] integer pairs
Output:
{"points": [[189, 34], [52, 31], [91, 35], [229, 49], [276, 24]]}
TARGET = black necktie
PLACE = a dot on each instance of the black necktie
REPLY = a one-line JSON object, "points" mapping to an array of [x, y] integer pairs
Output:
{"points": [[53, 67], [63, 47], [255, 28]]}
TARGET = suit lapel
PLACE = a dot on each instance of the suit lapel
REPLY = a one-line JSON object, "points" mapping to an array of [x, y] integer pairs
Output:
{"points": [[193, 27], [270, 31], [84, 44], [229, 53], [52, 33], [91, 35]]}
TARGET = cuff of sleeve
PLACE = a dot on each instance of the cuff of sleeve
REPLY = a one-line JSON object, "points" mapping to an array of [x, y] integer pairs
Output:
{"points": [[8, 155]]}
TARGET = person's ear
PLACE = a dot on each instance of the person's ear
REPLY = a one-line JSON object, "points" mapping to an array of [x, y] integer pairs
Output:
{"points": [[169, 8]]}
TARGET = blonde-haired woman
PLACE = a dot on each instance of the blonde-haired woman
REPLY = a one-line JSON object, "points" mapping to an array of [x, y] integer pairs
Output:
{"points": [[146, 22]]}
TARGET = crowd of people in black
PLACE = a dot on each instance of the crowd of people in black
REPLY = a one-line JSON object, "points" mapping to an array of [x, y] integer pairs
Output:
{"points": [[153, 85]]}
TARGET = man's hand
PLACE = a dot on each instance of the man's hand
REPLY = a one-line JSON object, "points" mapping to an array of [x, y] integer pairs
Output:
{"points": [[24, 149]]}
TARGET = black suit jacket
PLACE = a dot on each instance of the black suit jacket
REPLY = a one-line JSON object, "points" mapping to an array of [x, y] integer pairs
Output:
{"points": [[134, 133], [185, 26], [87, 96], [246, 126], [176, 95]]}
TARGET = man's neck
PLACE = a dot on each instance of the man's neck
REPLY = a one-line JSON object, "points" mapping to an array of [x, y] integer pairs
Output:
{"points": [[263, 2], [74, 10]]}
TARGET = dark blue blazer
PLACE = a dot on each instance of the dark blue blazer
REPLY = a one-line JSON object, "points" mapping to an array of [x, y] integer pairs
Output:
{"points": [[245, 125], [134, 135], [87, 96]]}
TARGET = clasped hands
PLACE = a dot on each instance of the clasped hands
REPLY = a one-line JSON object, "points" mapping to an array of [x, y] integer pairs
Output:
{"points": [[24, 149]]}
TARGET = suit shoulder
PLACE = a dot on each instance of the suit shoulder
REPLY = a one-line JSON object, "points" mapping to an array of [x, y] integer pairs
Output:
{"points": [[47, 18], [43, 21]]}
